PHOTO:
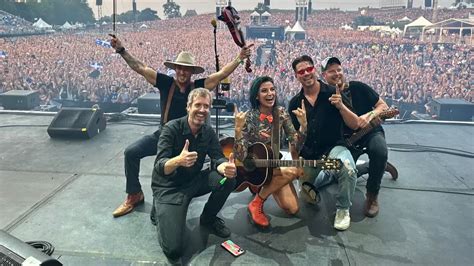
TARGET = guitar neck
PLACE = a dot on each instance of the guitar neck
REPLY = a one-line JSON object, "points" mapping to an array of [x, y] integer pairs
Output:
{"points": [[287, 163], [359, 134]]}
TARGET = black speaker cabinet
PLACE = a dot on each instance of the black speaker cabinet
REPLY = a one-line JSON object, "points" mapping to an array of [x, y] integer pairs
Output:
{"points": [[81, 123], [149, 103], [19, 100], [453, 109], [15, 252]]}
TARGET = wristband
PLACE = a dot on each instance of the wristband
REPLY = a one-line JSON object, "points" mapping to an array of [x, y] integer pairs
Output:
{"points": [[240, 60], [120, 50]]}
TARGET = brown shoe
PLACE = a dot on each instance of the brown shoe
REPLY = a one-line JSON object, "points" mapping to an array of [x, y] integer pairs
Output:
{"points": [[131, 201], [371, 206], [392, 170]]}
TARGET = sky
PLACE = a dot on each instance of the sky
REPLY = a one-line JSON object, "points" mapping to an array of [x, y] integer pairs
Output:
{"points": [[208, 6]]}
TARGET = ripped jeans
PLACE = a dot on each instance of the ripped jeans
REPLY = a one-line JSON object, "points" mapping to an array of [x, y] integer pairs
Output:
{"points": [[346, 177]]}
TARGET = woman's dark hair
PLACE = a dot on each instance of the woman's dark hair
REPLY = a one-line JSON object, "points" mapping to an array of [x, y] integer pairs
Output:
{"points": [[303, 58], [254, 89]]}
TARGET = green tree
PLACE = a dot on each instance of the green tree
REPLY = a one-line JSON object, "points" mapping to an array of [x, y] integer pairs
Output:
{"points": [[147, 14], [363, 21], [261, 8], [52, 11], [171, 10]]}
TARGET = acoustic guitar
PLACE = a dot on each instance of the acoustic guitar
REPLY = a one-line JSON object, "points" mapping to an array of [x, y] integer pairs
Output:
{"points": [[257, 168]]}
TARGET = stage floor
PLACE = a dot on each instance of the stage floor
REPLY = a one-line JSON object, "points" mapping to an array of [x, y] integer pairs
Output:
{"points": [[64, 192]]}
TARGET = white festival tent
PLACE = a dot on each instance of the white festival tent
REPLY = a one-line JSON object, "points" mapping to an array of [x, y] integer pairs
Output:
{"points": [[40, 23], [418, 25]]}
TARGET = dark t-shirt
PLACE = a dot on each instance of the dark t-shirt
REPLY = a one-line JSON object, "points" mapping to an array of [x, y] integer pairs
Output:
{"points": [[363, 98], [179, 100], [324, 123]]}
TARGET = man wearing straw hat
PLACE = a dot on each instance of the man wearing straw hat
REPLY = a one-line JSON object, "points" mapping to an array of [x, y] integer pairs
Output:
{"points": [[173, 96]]}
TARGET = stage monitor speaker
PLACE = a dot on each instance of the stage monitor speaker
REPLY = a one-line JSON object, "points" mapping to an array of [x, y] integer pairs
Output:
{"points": [[78, 123], [15, 252], [453, 109], [19, 100], [149, 103]]}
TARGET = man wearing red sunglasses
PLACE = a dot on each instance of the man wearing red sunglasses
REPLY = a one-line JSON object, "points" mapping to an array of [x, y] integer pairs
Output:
{"points": [[325, 114]]}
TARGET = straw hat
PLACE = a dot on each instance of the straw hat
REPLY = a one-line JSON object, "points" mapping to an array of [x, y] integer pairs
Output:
{"points": [[185, 59]]}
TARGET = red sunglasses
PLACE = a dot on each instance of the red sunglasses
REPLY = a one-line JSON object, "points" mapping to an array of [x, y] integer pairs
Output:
{"points": [[308, 69]]}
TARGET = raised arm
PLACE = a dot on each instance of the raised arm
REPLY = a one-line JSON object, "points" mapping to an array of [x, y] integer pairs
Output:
{"points": [[211, 82], [148, 73]]}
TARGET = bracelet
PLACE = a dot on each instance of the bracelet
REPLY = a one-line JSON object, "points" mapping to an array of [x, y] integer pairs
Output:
{"points": [[240, 60], [372, 113], [120, 50]]}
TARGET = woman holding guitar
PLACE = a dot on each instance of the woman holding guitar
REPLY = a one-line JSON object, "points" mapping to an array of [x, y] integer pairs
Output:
{"points": [[258, 126]]}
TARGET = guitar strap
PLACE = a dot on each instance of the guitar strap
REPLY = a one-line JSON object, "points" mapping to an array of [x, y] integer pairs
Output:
{"points": [[168, 100], [276, 134]]}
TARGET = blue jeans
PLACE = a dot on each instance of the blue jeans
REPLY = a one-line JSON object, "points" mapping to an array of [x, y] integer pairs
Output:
{"points": [[346, 177]]}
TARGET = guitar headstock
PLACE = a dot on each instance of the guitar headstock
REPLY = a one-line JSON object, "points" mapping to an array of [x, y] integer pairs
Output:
{"points": [[331, 164], [389, 113]]}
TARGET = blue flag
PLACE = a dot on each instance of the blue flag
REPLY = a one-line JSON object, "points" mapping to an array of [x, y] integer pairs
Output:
{"points": [[103, 43], [3, 54]]}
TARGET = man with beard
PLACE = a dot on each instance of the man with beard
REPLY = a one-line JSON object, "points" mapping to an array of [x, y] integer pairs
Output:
{"points": [[367, 104], [177, 176]]}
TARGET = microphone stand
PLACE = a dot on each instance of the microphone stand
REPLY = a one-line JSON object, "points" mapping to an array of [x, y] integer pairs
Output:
{"points": [[214, 105]]}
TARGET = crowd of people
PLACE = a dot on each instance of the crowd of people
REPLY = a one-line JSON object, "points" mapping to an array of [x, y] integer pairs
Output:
{"points": [[73, 66]]}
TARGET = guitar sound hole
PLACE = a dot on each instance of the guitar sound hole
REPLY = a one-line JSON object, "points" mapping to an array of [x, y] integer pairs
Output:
{"points": [[249, 164]]}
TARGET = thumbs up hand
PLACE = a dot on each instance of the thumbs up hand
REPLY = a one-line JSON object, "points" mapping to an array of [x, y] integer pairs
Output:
{"points": [[187, 158], [229, 169]]}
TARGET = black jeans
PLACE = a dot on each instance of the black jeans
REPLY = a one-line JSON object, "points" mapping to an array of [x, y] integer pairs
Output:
{"points": [[171, 218], [376, 149], [144, 147]]}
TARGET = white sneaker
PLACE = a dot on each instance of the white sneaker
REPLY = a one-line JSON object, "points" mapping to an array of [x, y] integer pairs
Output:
{"points": [[342, 220]]}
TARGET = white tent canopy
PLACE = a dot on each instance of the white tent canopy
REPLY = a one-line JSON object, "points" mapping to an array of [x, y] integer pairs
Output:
{"points": [[40, 23], [419, 24], [266, 14], [296, 33], [143, 26], [450, 30], [255, 14], [405, 18], [297, 28], [66, 26]]}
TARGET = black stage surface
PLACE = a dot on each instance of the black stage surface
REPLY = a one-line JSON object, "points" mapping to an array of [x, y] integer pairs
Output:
{"points": [[64, 192]]}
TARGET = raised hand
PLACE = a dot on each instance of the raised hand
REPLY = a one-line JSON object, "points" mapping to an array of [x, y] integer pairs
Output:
{"points": [[187, 158], [230, 170], [300, 113], [239, 118], [115, 42], [336, 99], [245, 52]]}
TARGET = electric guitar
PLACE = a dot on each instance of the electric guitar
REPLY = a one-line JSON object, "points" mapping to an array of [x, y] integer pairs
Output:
{"points": [[231, 18], [257, 168], [353, 137]]}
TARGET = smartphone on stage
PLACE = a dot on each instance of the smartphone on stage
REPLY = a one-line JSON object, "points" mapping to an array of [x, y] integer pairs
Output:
{"points": [[233, 248]]}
